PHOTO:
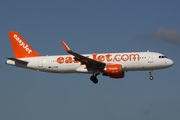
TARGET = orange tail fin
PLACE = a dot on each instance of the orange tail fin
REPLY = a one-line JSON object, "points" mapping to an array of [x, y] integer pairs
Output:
{"points": [[20, 47]]}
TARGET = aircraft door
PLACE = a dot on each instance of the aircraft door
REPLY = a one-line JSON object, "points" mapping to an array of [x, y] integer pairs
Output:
{"points": [[40, 62], [150, 57]]}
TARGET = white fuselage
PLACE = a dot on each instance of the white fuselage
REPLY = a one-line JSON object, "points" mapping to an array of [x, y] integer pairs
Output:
{"points": [[135, 61]]}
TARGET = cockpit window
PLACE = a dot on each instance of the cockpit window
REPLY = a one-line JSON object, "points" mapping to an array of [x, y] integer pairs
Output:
{"points": [[162, 57]]}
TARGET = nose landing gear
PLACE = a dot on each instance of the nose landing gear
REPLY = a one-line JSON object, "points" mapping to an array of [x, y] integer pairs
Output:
{"points": [[151, 77]]}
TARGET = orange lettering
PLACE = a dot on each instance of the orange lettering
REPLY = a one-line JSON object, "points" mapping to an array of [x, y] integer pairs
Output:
{"points": [[68, 60], [108, 57], [60, 60], [101, 58], [116, 58], [134, 56], [94, 56], [124, 57]]}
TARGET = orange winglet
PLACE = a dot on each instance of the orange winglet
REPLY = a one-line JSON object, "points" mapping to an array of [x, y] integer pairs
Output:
{"points": [[65, 46]]}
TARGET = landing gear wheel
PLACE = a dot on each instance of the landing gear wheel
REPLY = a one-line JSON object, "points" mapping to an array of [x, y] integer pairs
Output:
{"points": [[151, 77], [94, 79]]}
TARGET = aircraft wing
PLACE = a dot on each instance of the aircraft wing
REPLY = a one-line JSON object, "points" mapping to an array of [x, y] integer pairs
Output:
{"points": [[91, 64]]}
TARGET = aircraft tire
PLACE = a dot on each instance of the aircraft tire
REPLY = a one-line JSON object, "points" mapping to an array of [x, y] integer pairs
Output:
{"points": [[94, 79], [151, 77]]}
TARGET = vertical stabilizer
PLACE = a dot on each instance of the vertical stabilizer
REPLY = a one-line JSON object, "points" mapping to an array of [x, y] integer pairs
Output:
{"points": [[20, 47]]}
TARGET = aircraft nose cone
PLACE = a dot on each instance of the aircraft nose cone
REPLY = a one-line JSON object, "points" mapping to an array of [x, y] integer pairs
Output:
{"points": [[169, 63]]}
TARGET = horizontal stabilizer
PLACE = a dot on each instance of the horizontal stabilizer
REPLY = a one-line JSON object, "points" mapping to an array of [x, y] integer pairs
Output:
{"points": [[18, 61]]}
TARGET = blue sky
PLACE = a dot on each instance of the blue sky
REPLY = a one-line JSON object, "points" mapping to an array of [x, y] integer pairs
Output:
{"points": [[94, 26]]}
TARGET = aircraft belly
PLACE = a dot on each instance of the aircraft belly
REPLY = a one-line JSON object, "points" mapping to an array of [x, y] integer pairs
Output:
{"points": [[59, 68], [132, 66], [143, 65]]}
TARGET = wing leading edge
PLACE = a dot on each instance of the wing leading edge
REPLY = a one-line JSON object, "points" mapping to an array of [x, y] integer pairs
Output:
{"points": [[91, 64]]}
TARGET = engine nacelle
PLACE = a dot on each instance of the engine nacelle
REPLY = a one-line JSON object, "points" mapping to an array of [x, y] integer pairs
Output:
{"points": [[114, 71]]}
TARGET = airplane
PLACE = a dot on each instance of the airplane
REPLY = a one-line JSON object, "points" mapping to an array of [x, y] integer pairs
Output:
{"points": [[113, 65]]}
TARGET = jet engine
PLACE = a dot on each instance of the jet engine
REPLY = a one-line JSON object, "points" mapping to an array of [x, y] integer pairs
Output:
{"points": [[114, 71]]}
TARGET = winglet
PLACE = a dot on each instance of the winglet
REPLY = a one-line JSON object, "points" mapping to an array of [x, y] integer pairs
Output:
{"points": [[65, 46]]}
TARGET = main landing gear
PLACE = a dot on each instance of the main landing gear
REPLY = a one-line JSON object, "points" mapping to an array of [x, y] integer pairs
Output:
{"points": [[151, 77], [94, 78]]}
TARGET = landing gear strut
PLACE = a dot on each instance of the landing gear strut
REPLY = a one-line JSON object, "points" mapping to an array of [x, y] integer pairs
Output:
{"points": [[94, 78], [151, 77]]}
